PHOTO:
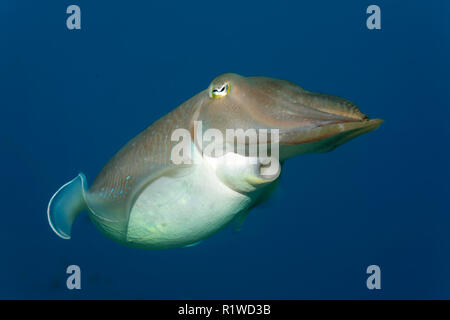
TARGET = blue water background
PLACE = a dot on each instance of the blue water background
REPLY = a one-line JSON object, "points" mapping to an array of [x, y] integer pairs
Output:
{"points": [[70, 99]]}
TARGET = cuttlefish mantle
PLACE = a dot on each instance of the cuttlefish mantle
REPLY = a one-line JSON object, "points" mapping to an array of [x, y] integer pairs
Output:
{"points": [[143, 199]]}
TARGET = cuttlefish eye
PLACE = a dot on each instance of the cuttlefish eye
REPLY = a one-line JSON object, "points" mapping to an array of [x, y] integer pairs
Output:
{"points": [[219, 91]]}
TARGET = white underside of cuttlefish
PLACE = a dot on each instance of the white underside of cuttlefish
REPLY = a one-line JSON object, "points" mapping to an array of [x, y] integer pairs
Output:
{"points": [[169, 211]]}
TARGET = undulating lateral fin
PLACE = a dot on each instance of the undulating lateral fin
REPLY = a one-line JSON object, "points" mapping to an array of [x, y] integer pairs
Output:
{"points": [[240, 221], [66, 204], [192, 244]]}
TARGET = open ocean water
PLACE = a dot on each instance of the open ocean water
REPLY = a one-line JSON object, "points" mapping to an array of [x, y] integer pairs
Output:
{"points": [[71, 98]]}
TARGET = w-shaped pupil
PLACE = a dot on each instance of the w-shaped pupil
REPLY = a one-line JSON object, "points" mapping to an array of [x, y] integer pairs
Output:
{"points": [[220, 90]]}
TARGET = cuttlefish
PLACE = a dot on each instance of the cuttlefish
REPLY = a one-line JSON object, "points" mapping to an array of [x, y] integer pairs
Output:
{"points": [[145, 198]]}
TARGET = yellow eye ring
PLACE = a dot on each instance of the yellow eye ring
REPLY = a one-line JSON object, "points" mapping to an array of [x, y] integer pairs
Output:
{"points": [[219, 91]]}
